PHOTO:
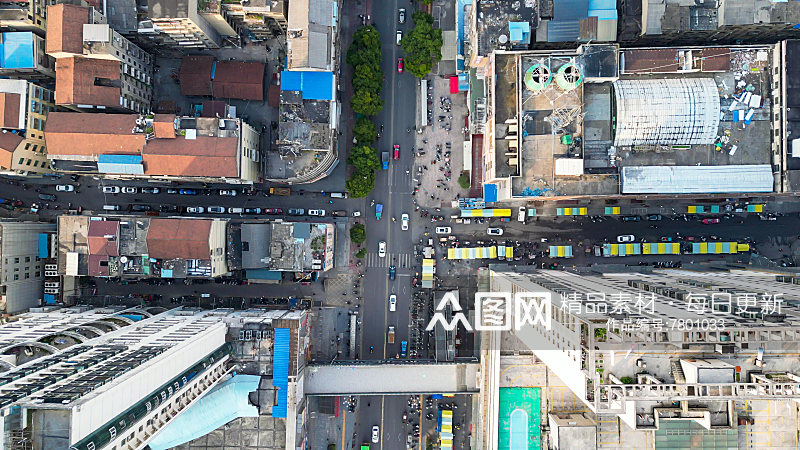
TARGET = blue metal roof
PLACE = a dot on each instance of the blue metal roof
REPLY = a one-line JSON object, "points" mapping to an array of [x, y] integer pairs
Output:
{"points": [[520, 32], [225, 402], [44, 246], [264, 274], [16, 50], [280, 369], [313, 85], [569, 10], [119, 159], [490, 192], [128, 164], [563, 30], [603, 9], [302, 230]]}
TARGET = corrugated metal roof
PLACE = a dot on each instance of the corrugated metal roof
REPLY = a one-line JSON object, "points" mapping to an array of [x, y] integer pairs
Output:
{"points": [[280, 369], [563, 30], [696, 179]]}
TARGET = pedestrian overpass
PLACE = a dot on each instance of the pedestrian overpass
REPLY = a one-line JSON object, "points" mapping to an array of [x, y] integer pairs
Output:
{"points": [[392, 378]]}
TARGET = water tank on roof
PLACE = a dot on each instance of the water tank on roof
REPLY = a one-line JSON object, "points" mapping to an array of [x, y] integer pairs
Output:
{"points": [[538, 77], [569, 76], [503, 39]]}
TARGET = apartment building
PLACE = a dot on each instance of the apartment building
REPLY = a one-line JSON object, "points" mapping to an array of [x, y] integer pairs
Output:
{"points": [[140, 247], [24, 247], [24, 16], [161, 146], [98, 69], [25, 106], [178, 25]]}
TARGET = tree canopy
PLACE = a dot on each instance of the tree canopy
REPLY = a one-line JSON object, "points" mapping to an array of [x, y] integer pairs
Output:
{"points": [[358, 233], [366, 103], [364, 131], [364, 158], [360, 184], [422, 45]]}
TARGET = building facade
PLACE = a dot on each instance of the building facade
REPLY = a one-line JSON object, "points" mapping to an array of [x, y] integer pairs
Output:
{"points": [[22, 269], [179, 25], [26, 106]]}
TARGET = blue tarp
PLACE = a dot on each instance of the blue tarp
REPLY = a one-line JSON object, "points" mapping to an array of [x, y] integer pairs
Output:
{"points": [[119, 159], [302, 230], [44, 246], [225, 402], [280, 369], [490, 192], [134, 317], [17, 50], [49, 299], [313, 85]]}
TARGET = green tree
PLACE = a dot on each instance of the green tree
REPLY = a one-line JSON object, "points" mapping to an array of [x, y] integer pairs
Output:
{"points": [[358, 233], [368, 77], [463, 180], [361, 253], [366, 102], [364, 159], [360, 183], [365, 131], [422, 45], [365, 48]]}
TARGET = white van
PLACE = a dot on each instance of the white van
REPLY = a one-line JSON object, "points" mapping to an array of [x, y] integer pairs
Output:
{"points": [[235, 210], [521, 216], [338, 194], [111, 207]]}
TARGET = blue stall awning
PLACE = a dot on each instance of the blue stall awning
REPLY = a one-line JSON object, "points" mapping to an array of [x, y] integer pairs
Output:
{"points": [[280, 369], [44, 246]]}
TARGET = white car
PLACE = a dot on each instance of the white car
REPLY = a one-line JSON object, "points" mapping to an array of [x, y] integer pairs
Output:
{"points": [[399, 36], [626, 238], [376, 434], [443, 230], [404, 222], [129, 190], [235, 210], [229, 192], [110, 190], [316, 212], [494, 231], [521, 215], [195, 209], [64, 188], [392, 303], [382, 249], [402, 17]]}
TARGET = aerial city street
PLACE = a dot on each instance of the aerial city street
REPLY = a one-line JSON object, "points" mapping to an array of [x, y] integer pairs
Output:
{"points": [[428, 224]]}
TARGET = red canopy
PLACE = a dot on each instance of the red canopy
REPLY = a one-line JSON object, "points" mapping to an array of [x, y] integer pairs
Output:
{"points": [[454, 85]]}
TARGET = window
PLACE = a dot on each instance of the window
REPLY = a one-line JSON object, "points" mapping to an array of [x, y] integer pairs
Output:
{"points": [[16, 276], [16, 260], [27, 259], [27, 276]]}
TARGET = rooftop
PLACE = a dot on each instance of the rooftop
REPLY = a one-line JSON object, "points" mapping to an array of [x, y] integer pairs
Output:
{"points": [[287, 246], [242, 80], [310, 34], [493, 20], [65, 28], [92, 134], [135, 246], [195, 75], [88, 81], [17, 50], [169, 9], [586, 114], [674, 16]]}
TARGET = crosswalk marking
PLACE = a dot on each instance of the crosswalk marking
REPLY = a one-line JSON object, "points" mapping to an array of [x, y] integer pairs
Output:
{"points": [[399, 260]]}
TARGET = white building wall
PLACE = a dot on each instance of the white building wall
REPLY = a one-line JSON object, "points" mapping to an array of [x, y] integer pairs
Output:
{"points": [[111, 400], [22, 273], [217, 243]]}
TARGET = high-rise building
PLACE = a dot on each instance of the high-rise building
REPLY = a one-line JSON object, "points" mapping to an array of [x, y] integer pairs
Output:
{"points": [[660, 345], [111, 378]]}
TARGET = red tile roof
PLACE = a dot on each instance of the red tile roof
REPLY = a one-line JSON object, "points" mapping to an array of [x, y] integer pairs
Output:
{"points": [[77, 81], [8, 143], [103, 237], [164, 125], [91, 134], [717, 59], [9, 110], [179, 238], [204, 156], [242, 80], [65, 28], [195, 75]]}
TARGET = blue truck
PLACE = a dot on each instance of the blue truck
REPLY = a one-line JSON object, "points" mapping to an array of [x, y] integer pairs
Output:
{"points": [[385, 160], [403, 349]]}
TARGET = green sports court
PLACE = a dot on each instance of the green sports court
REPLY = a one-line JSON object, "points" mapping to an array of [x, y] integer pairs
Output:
{"points": [[520, 417]]}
